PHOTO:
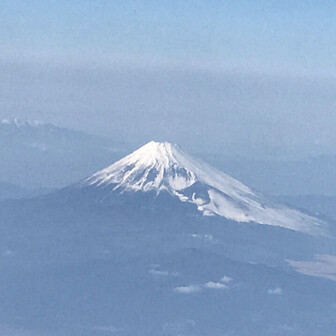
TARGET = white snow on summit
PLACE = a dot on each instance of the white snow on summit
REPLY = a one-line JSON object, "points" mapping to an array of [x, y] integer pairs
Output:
{"points": [[162, 166]]}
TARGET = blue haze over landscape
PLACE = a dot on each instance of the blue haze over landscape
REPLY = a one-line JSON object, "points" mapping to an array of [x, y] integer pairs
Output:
{"points": [[245, 78], [167, 168]]}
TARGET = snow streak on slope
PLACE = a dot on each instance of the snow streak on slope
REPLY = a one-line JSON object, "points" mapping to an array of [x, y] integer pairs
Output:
{"points": [[164, 167]]}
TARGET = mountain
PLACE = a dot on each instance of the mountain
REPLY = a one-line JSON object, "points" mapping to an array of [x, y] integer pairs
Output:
{"points": [[144, 248], [40, 155], [163, 167], [12, 191]]}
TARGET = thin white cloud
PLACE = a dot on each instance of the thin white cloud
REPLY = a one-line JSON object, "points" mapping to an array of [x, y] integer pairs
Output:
{"points": [[215, 285], [323, 266], [158, 273], [226, 279], [188, 289], [205, 237], [275, 291]]}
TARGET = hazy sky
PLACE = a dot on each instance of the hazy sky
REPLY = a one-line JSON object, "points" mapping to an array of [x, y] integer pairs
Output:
{"points": [[246, 77]]}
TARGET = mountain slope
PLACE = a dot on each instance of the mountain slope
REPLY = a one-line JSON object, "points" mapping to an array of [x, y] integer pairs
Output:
{"points": [[40, 155], [163, 167], [12, 191]]}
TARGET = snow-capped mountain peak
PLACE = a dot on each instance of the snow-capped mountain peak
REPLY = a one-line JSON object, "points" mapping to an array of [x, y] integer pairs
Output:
{"points": [[164, 167]]}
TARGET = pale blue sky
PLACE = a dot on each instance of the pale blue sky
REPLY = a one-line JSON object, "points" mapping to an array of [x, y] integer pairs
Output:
{"points": [[263, 36], [248, 76]]}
